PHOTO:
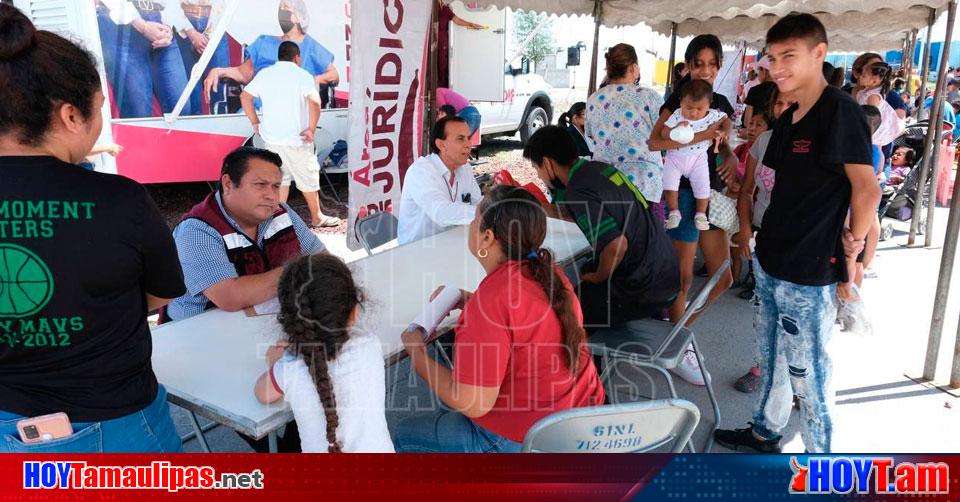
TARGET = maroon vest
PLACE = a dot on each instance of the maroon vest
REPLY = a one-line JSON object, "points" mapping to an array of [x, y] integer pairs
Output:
{"points": [[280, 242]]}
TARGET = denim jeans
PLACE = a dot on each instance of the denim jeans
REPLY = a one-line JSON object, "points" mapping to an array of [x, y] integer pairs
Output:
{"points": [[220, 59], [794, 324], [448, 432], [149, 430], [137, 71]]}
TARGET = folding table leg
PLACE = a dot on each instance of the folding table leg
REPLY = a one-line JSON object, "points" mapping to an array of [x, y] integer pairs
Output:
{"points": [[198, 431], [206, 428], [272, 440]]}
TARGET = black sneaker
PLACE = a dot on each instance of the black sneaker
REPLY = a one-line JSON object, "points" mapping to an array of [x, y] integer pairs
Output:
{"points": [[744, 440]]}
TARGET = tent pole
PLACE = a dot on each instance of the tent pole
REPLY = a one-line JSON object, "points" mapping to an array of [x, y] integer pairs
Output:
{"points": [[935, 162], [911, 50], [908, 56], [946, 267], [928, 141], [950, 242], [431, 87], [673, 56], [933, 168], [597, 13]]}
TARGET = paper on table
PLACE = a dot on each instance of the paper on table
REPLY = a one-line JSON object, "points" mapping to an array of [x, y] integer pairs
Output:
{"points": [[271, 306], [437, 310]]}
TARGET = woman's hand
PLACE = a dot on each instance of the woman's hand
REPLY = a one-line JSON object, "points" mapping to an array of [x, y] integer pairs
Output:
{"points": [[412, 339], [275, 352], [728, 172], [197, 40], [464, 297]]}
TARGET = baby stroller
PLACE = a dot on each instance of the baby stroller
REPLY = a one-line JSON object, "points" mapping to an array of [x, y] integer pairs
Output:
{"points": [[899, 202]]}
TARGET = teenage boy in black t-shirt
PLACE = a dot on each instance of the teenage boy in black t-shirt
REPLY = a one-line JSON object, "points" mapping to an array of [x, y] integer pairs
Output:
{"points": [[820, 149], [634, 273]]}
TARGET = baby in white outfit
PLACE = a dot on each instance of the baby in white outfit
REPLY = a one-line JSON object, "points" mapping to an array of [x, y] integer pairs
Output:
{"points": [[691, 161]]}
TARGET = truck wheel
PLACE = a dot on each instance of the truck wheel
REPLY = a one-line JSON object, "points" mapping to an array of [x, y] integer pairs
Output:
{"points": [[536, 118]]}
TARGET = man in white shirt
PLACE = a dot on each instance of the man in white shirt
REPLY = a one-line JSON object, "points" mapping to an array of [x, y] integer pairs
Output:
{"points": [[439, 190], [290, 105]]}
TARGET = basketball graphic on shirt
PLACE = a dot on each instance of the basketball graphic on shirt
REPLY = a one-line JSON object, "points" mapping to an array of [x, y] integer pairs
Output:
{"points": [[26, 285]]}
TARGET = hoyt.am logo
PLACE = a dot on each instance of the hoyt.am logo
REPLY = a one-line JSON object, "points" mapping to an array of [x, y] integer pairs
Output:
{"points": [[879, 475]]}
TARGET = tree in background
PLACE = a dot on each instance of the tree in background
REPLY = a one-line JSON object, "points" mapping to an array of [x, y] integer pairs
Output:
{"points": [[533, 34]]}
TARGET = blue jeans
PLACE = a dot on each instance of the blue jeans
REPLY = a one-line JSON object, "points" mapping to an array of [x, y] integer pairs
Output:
{"points": [[794, 324], [472, 116], [448, 432], [221, 58], [137, 71], [149, 430], [687, 231]]}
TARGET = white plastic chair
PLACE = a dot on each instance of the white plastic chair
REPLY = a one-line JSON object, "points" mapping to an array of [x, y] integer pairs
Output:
{"points": [[660, 346], [618, 428]]}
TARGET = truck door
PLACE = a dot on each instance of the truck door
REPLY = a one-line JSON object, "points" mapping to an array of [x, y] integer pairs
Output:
{"points": [[476, 56]]}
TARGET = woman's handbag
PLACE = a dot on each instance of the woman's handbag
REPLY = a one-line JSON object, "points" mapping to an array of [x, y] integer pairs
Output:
{"points": [[723, 212]]}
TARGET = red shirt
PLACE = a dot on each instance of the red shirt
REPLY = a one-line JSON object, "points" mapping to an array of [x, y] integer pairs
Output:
{"points": [[509, 337]]}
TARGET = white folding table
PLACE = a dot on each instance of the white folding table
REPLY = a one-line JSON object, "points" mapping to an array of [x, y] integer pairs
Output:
{"points": [[209, 363]]}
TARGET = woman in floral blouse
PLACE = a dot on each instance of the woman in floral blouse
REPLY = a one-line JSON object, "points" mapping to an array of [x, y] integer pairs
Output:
{"points": [[620, 119]]}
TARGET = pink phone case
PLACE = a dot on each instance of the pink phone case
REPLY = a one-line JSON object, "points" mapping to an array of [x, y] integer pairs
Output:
{"points": [[44, 428]]}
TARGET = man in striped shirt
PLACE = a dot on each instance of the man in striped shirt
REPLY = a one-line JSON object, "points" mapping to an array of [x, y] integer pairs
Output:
{"points": [[233, 245]]}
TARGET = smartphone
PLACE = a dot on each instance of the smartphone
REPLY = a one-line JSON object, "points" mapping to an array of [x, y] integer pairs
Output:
{"points": [[44, 428]]}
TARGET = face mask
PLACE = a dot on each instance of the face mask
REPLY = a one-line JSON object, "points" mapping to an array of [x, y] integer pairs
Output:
{"points": [[286, 21]]}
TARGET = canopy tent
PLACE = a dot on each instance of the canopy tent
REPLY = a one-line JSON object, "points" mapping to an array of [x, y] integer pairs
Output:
{"points": [[850, 31], [851, 24]]}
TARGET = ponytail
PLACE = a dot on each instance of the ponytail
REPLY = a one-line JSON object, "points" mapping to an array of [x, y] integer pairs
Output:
{"points": [[506, 208], [561, 301], [566, 119]]}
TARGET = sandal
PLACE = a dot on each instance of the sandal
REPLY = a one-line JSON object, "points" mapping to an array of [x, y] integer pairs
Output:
{"points": [[326, 222]]}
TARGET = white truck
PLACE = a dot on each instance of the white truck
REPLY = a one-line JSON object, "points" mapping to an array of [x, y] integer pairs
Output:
{"points": [[172, 139], [510, 101]]}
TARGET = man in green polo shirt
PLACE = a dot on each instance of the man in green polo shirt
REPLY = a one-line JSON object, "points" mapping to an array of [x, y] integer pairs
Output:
{"points": [[634, 273]]}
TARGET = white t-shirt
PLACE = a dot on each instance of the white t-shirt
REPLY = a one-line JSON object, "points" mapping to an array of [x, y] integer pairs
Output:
{"points": [[359, 386], [430, 204], [712, 117], [283, 90]]}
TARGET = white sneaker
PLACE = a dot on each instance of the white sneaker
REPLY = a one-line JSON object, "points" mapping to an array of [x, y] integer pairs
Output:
{"points": [[689, 370], [673, 221], [701, 222]]}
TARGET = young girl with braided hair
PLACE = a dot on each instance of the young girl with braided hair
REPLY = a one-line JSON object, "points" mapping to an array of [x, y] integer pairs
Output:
{"points": [[330, 373], [520, 349]]}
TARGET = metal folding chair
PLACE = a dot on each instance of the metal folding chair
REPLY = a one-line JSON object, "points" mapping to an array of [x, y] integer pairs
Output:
{"points": [[376, 230], [618, 428], [660, 346]]}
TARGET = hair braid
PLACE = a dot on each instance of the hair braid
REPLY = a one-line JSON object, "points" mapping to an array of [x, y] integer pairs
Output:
{"points": [[317, 297]]}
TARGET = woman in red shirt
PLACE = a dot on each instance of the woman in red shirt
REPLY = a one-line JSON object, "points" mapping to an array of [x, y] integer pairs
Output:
{"points": [[520, 351]]}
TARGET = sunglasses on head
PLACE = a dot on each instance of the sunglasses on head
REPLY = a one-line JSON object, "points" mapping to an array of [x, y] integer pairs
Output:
{"points": [[880, 69]]}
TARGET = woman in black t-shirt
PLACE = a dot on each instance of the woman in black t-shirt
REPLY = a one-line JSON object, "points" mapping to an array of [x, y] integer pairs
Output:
{"points": [[703, 57], [83, 257]]}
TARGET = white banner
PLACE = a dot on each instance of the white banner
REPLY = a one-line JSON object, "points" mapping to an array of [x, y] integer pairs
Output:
{"points": [[387, 59]]}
